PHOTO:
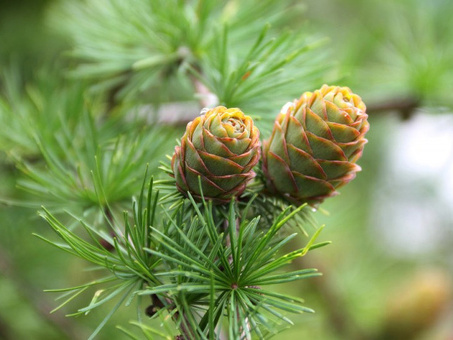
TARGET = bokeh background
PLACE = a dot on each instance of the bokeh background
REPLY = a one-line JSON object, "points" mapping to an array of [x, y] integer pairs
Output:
{"points": [[387, 273]]}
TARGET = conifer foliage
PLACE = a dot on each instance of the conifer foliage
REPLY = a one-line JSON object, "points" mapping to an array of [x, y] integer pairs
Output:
{"points": [[198, 241]]}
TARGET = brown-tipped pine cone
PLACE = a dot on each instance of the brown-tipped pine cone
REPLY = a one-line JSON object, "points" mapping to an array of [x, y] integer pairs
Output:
{"points": [[315, 144], [220, 147]]}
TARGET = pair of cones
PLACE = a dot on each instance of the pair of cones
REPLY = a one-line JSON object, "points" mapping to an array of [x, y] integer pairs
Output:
{"points": [[313, 150]]}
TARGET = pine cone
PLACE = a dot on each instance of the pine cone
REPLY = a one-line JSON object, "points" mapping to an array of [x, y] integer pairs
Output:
{"points": [[314, 145], [221, 148]]}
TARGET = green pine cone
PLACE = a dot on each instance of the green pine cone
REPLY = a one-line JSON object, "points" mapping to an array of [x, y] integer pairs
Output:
{"points": [[314, 145], [221, 148]]}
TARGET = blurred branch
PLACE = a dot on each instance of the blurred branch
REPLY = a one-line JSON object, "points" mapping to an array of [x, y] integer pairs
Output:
{"points": [[36, 301], [205, 97], [181, 113], [404, 106], [5, 331]]}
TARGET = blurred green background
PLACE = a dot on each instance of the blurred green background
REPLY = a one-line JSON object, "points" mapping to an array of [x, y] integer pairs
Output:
{"points": [[388, 272]]}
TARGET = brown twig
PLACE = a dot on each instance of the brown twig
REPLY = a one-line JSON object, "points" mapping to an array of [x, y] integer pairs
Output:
{"points": [[156, 304], [6, 332], [186, 332], [404, 106], [206, 98]]}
